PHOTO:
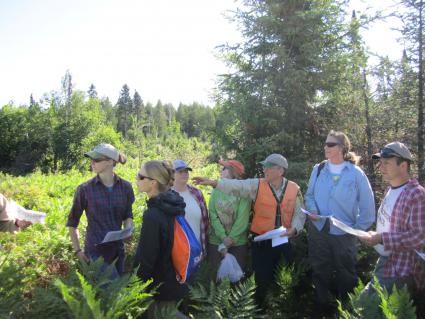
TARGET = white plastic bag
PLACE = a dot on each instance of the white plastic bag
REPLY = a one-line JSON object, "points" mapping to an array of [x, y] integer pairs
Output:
{"points": [[230, 268]]}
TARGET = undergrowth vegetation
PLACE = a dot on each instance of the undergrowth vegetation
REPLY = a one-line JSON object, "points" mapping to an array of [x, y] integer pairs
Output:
{"points": [[41, 277]]}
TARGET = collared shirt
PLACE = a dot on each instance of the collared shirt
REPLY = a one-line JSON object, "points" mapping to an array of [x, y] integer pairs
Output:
{"points": [[349, 200], [407, 234], [105, 209], [204, 216], [248, 188]]}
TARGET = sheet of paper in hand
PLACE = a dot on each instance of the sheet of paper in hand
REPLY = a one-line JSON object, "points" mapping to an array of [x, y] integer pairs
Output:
{"points": [[274, 235], [314, 215], [348, 229], [117, 235], [17, 211]]}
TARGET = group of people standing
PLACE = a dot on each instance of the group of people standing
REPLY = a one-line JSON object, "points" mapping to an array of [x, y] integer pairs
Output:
{"points": [[240, 209]]}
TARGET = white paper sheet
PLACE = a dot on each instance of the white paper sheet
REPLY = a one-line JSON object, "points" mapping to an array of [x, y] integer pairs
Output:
{"points": [[117, 235], [348, 229], [422, 255], [274, 235], [16, 211], [314, 215], [279, 241], [270, 234]]}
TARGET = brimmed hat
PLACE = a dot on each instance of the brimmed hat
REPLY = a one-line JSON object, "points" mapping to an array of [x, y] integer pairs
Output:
{"points": [[106, 150], [394, 149], [180, 165], [237, 166], [275, 160]]}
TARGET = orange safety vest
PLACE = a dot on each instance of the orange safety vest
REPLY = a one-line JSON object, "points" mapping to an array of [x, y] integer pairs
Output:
{"points": [[265, 207]]}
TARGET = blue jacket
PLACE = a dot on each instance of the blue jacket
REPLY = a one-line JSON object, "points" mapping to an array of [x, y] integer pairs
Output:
{"points": [[350, 200]]}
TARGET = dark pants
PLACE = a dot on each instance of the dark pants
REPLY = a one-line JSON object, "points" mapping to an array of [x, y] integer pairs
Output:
{"points": [[118, 270], [330, 254], [265, 262], [240, 253]]}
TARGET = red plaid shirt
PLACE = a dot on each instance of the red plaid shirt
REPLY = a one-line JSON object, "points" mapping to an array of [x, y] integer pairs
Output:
{"points": [[407, 234], [204, 218]]}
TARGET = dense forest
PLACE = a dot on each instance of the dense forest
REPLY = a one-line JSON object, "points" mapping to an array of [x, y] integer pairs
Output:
{"points": [[300, 70]]}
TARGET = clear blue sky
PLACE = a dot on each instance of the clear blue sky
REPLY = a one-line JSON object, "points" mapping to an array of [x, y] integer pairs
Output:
{"points": [[162, 48]]}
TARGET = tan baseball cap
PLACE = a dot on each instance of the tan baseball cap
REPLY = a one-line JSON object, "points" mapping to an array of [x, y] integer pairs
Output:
{"points": [[275, 160], [394, 149], [106, 150]]}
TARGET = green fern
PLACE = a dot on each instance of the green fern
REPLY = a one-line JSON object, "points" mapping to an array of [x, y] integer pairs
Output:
{"points": [[287, 297], [97, 297], [166, 311], [225, 300], [398, 304], [378, 303]]}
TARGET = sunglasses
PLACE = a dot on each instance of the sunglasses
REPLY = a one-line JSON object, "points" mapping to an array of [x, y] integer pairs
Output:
{"points": [[98, 160], [388, 153], [142, 177], [329, 144]]}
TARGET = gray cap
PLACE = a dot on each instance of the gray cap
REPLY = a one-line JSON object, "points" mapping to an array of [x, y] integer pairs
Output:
{"points": [[275, 159], [104, 150], [394, 149], [180, 165]]}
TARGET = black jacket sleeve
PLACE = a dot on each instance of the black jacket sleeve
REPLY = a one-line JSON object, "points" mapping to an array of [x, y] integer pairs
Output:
{"points": [[149, 246]]}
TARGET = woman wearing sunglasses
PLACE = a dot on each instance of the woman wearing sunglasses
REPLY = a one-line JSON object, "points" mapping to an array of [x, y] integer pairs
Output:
{"points": [[153, 255], [107, 200], [229, 217], [338, 188]]}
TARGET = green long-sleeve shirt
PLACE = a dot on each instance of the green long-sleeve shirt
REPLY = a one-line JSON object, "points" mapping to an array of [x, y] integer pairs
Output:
{"points": [[234, 213]]}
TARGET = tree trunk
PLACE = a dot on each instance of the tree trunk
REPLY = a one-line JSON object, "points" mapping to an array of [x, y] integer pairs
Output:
{"points": [[369, 162], [420, 101]]}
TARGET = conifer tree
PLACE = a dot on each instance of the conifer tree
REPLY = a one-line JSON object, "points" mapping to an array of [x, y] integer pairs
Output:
{"points": [[92, 93], [124, 109]]}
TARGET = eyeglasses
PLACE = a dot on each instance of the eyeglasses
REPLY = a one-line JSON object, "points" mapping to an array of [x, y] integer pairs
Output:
{"points": [[98, 160], [224, 168], [142, 177], [329, 144]]}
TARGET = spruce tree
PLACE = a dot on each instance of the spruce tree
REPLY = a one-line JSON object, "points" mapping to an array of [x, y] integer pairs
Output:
{"points": [[124, 108]]}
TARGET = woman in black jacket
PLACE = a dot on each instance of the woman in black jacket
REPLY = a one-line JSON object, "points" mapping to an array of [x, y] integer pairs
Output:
{"points": [[153, 256]]}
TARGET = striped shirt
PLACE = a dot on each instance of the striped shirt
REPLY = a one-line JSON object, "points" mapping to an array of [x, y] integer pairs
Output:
{"points": [[407, 234], [105, 209]]}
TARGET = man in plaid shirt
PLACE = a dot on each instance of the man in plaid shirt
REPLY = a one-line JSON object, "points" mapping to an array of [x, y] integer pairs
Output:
{"points": [[400, 226]]}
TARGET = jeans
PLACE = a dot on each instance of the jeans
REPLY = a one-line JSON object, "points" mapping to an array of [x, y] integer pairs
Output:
{"points": [[118, 268], [389, 282]]}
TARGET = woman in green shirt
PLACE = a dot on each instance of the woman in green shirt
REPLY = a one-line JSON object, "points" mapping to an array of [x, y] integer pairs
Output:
{"points": [[229, 216]]}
